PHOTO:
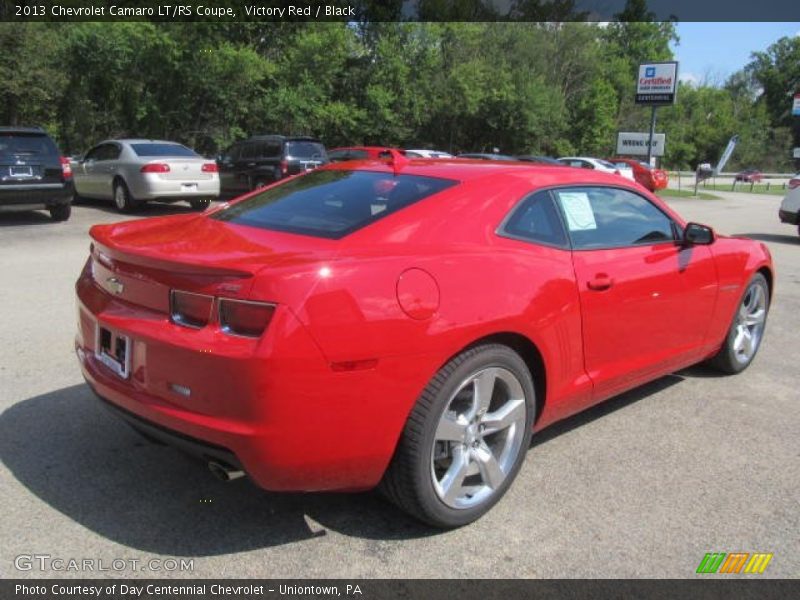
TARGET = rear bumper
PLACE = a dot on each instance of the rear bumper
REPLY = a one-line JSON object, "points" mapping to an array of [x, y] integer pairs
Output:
{"points": [[153, 187], [20, 197], [787, 216], [275, 405], [198, 448]]}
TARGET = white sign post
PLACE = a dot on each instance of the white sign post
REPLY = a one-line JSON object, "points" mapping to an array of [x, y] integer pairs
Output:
{"points": [[656, 85], [636, 144]]}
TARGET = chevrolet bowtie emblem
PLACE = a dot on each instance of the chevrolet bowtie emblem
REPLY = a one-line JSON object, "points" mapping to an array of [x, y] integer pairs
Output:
{"points": [[115, 285]]}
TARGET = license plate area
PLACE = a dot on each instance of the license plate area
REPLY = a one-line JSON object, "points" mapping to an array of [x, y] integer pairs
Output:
{"points": [[113, 350], [21, 171], [188, 187]]}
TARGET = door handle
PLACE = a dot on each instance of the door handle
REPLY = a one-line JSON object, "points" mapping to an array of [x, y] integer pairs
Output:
{"points": [[251, 164], [600, 282]]}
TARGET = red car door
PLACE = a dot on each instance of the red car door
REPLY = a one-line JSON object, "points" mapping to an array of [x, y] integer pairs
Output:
{"points": [[646, 300]]}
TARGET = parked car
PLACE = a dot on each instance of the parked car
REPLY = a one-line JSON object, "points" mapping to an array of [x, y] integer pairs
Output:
{"points": [[623, 168], [419, 153], [585, 162], [789, 211], [33, 173], [361, 153], [130, 172], [651, 178], [545, 160], [265, 159], [406, 326], [794, 182], [485, 156], [750, 176]]}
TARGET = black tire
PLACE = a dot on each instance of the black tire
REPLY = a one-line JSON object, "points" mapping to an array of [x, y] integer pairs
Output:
{"points": [[200, 204], [60, 212], [408, 482], [122, 197], [726, 360], [258, 182]]}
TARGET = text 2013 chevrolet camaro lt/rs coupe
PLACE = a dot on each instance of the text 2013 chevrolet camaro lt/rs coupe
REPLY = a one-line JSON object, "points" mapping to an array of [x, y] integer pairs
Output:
{"points": [[406, 324]]}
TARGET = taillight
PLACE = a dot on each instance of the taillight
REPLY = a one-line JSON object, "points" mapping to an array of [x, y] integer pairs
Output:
{"points": [[189, 309], [284, 167], [155, 168], [243, 317], [66, 168], [793, 183], [209, 168]]}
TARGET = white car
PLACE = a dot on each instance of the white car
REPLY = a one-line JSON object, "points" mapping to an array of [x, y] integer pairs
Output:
{"points": [[427, 154], [625, 169], [790, 208], [598, 164], [131, 171]]}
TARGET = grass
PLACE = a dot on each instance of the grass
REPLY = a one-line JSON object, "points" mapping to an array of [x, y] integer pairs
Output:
{"points": [[758, 188], [670, 193]]}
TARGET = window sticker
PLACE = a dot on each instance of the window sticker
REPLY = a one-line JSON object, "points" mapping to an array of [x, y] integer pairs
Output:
{"points": [[578, 211]]}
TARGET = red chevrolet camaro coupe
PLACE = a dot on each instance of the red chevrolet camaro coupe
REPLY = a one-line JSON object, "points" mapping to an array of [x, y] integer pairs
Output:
{"points": [[406, 324]]}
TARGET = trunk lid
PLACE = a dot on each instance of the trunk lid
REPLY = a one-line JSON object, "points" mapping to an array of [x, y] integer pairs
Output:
{"points": [[184, 168], [141, 261]]}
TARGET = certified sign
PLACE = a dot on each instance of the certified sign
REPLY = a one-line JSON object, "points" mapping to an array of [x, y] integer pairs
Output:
{"points": [[635, 144], [657, 83]]}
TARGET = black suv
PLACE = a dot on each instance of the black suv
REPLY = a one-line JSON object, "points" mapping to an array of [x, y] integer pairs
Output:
{"points": [[33, 174], [263, 159]]}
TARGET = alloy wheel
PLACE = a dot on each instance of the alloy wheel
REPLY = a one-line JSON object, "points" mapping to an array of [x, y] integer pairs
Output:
{"points": [[478, 438], [750, 323]]}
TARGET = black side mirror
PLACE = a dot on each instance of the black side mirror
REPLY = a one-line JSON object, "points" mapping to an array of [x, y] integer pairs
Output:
{"points": [[698, 235]]}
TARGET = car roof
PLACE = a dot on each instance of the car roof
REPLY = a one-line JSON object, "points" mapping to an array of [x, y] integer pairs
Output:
{"points": [[138, 141], [11, 129], [288, 138], [465, 170], [379, 148]]}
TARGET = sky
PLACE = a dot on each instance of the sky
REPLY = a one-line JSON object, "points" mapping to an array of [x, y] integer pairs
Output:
{"points": [[710, 52]]}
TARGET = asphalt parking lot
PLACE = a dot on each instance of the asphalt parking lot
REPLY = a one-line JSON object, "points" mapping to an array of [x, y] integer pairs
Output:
{"points": [[641, 486]]}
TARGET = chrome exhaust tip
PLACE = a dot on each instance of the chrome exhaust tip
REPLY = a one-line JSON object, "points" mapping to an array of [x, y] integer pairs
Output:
{"points": [[224, 472]]}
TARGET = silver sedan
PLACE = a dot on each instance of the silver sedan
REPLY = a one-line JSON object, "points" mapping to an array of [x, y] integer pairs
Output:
{"points": [[134, 171]]}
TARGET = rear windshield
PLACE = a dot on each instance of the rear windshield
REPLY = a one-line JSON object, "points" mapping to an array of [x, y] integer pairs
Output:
{"points": [[305, 150], [163, 150], [26, 144], [332, 204]]}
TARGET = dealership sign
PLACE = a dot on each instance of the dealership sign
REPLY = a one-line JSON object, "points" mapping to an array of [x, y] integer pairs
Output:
{"points": [[636, 143], [657, 83], [796, 105]]}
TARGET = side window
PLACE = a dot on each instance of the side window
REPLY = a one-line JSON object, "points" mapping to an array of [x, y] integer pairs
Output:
{"points": [[272, 150], [338, 156], [105, 152], [111, 152], [536, 219], [248, 151], [93, 153], [604, 217]]}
